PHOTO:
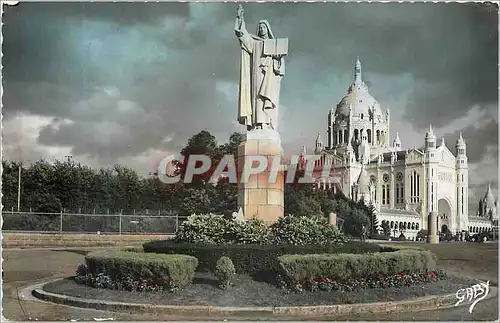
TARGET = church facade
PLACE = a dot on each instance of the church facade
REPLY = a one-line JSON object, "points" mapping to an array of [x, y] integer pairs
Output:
{"points": [[404, 185]]}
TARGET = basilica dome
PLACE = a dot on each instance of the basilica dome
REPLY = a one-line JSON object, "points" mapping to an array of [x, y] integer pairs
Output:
{"points": [[358, 100]]}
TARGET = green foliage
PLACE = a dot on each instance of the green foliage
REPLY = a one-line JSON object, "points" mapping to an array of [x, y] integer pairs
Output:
{"points": [[231, 148], [289, 230], [225, 272], [220, 229], [372, 216], [252, 259], [299, 201], [296, 269], [422, 234], [294, 230], [52, 186], [205, 229], [386, 228], [168, 271], [354, 222], [252, 231], [355, 214]]}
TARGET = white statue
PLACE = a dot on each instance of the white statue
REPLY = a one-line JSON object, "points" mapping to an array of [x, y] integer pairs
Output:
{"points": [[261, 70]]}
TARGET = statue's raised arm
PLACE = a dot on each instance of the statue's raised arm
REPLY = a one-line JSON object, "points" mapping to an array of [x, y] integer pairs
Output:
{"points": [[239, 13], [241, 31]]}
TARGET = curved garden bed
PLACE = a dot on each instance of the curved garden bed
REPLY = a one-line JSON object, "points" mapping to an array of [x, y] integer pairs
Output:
{"points": [[247, 292], [296, 262]]}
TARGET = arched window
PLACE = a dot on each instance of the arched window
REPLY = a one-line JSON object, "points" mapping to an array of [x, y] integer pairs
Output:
{"points": [[392, 224], [356, 134], [362, 116], [340, 137], [346, 136], [415, 188], [369, 135], [399, 188], [416, 226], [378, 136]]}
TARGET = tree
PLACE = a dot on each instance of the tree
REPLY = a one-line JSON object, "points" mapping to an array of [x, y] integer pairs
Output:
{"points": [[225, 199], [196, 200], [231, 148], [301, 199], [372, 215], [386, 228], [203, 143], [355, 221]]}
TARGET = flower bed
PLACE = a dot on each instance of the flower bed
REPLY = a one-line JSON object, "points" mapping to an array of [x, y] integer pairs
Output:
{"points": [[136, 271], [350, 284], [344, 271]]}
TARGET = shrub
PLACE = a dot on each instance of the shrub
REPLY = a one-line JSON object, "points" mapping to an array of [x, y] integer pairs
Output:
{"points": [[300, 231], [355, 220], [292, 230], [225, 272], [130, 270], [298, 269], [253, 259], [220, 229], [205, 229], [82, 270], [251, 232]]}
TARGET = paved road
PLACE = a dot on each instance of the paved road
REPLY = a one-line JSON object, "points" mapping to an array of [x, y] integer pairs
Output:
{"points": [[26, 267]]}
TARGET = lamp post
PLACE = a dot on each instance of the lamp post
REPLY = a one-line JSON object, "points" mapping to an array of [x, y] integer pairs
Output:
{"points": [[19, 188]]}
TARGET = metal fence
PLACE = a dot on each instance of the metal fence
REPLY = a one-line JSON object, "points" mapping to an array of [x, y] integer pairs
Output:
{"points": [[89, 223]]}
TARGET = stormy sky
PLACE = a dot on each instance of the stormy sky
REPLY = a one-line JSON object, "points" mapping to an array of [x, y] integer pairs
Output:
{"points": [[127, 82]]}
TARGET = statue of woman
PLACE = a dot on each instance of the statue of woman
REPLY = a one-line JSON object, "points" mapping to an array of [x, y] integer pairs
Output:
{"points": [[260, 77]]}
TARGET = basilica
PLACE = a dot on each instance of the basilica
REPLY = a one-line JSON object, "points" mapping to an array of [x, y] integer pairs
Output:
{"points": [[404, 185]]}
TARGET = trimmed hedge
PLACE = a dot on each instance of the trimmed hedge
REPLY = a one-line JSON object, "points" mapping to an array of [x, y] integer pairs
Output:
{"points": [[298, 269], [253, 259], [167, 271]]}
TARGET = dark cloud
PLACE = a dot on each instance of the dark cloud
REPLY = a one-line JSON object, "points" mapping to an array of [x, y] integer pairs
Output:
{"points": [[121, 13], [130, 74]]}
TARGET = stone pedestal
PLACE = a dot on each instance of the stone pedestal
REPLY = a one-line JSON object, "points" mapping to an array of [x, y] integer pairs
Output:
{"points": [[432, 223], [262, 195]]}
